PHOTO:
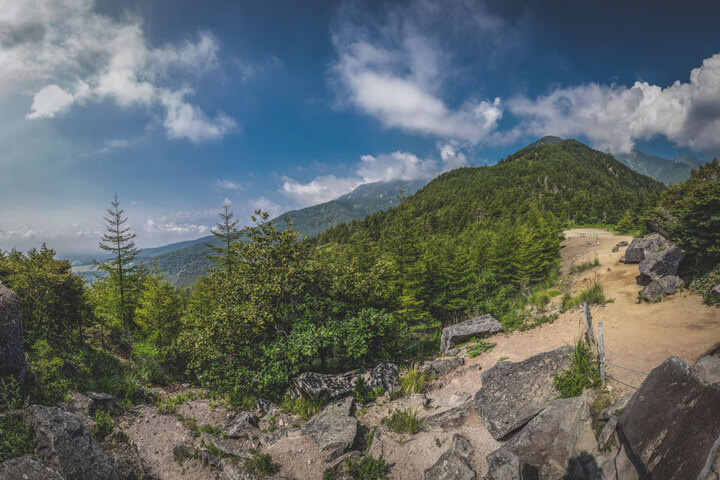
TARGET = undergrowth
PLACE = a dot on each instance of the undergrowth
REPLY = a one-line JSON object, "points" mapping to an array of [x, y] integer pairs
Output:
{"points": [[403, 421], [366, 468], [481, 346], [303, 407], [364, 394], [103, 424], [583, 373], [261, 464], [593, 295], [412, 379], [583, 267]]}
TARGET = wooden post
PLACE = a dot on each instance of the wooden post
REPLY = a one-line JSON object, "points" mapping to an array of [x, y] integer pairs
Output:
{"points": [[588, 325], [601, 355]]}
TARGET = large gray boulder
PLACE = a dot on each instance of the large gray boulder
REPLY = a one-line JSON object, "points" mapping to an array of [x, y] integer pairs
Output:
{"points": [[240, 424], [641, 248], [331, 387], [546, 445], [441, 366], [12, 354], [454, 463], [671, 425], [27, 467], [662, 287], [660, 264], [513, 393], [476, 327], [333, 429], [64, 444], [708, 368], [451, 418]]}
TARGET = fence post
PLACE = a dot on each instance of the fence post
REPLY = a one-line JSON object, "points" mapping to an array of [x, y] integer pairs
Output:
{"points": [[601, 346], [588, 325]]}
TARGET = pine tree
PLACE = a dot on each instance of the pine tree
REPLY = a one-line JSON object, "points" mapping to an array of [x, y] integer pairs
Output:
{"points": [[228, 233], [121, 267]]}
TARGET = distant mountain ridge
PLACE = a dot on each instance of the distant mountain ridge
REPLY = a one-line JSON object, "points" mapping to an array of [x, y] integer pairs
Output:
{"points": [[661, 169]]}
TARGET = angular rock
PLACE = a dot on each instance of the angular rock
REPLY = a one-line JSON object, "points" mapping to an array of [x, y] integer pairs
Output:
{"points": [[608, 431], [27, 467], [233, 472], [240, 424], [442, 366], [503, 465], [714, 293], [82, 407], [671, 425], [641, 248], [331, 387], [126, 457], [660, 264], [513, 393], [453, 464], [612, 410], [476, 327], [12, 354], [448, 419], [708, 369], [223, 447], [333, 429], [547, 443], [661, 287], [63, 443], [622, 243], [102, 400]]}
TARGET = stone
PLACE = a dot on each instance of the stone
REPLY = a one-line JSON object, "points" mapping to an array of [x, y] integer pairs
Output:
{"points": [[223, 447], [12, 353], [454, 463], [503, 465], [27, 467], [82, 407], [476, 327], [126, 457], [657, 289], [102, 400], [331, 387], [671, 425], [608, 431], [660, 264], [545, 447], [641, 248], [240, 424], [449, 419], [513, 393], [714, 293], [441, 366], [708, 369], [232, 471], [622, 243], [615, 409], [333, 429], [63, 443]]}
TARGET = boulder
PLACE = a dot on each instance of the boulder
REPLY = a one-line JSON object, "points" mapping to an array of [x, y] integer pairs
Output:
{"points": [[503, 465], [12, 354], [454, 463], [331, 387], [640, 248], [441, 366], [126, 457], [222, 446], [27, 467], [714, 293], [476, 327], [657, 289], [333, 429], [546, 445], [451, 418], [513, 393], [671, 426], [102, 400], [708, 369], [64, 444], [615, 409], [661, 264], [82, 407], [240, 424]]}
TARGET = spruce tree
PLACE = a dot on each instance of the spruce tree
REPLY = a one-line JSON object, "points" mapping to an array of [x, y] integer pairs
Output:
{"points": [[121, 267], [228, 233]]}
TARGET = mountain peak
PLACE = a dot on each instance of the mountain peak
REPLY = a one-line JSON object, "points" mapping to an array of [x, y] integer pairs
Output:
{"points": [[547, 140]]}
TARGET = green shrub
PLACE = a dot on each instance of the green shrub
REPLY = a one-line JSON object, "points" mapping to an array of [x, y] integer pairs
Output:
{"points": [[412, 379], [403, 421], [261, 464], [593, 295], [481, 346], [366, 468], [583, 373], [303, 407], [584, 267], [15, 437], [103, 424], [211, 429], [364, 394]]}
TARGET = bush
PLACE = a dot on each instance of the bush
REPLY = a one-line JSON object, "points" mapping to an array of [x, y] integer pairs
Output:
{"points": [[584, 267], [15, 437], [261, 464], [481, 346], [403, 421], [412, 379], [593, 295], [364, 394], [103, 424], [583, 373], [366, 468], [303, 407]]}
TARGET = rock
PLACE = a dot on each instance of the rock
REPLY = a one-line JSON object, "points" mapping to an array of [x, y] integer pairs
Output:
{"points": [[331, 387], [232, 471], [27, 467], [240, 424], [102, 400], [476, 327], [708, 369], [671, 424], [63, 443], [622, 243], [513, 393], [546, 445], [449, 419], [608, 431], [453, 464], [126, 458], [223, 447], [714, 293], [12, 353], [641, 248], [615, 249], [442, 366], [661, 264], [503, 465], [661, 287], [618, 406], [333, 429], [184, 451], [82, 407], [264, 406]]}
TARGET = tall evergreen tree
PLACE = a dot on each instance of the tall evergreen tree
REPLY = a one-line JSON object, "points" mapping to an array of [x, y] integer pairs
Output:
{"points": [[227, 232]]}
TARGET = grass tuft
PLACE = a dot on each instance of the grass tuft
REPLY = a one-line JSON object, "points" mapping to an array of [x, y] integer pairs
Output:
{"points": [[403, 421], [412, 379], [583, 373]]}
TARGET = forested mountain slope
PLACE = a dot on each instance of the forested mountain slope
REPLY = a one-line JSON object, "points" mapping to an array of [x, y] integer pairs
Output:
{"points": [[662, 169]]}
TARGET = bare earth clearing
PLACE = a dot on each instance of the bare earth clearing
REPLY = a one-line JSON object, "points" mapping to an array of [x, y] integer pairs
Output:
{"points": [[638, 336]]}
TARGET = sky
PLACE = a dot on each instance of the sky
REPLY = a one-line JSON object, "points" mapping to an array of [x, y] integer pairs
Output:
{"points": [[182, 107]]}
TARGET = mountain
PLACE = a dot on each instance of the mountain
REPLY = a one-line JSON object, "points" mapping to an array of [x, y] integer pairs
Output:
{"points": [[661, 169]]}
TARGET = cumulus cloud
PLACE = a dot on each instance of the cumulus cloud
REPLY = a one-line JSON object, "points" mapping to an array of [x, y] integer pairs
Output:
{"points": [[161, 227], [66, 53], [229, 184]]}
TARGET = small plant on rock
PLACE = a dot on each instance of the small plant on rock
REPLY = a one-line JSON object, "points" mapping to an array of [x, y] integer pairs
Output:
{"points": [[481, 346], [403, 421], [103, 424], [412, 379], [261, 464], [303, 407], [583, 373], [366, 468], [364, 394]]}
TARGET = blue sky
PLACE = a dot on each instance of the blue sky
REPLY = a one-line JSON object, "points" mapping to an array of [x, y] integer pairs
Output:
{"points": [[180, 106]]}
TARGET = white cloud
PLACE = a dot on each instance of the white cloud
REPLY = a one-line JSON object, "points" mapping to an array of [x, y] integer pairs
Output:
{"points": [[66, 53], [162, 227], [227, 202], [319, 190], [229, 184]]}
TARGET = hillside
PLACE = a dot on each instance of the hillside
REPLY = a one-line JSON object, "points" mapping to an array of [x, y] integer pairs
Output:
{"points": [[661, 169]]}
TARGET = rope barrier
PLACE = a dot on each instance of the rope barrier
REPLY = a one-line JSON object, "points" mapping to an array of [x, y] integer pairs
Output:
{"points": [[625, 368]]}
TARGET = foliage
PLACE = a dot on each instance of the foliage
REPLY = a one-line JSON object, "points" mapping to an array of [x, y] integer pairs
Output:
{"points": [[366, 468], [303, 407], [226, 233], [593, 295], [412, 379], [261, 464], [15, 437], [706, 282], [103, 424], [584, 266], [583, 373], [481, 346], [364, 394], [403, 421]]}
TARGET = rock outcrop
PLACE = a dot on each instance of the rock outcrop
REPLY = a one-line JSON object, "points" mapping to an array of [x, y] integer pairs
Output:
{"points": [[513, 393], [334, 428], [331, 387], [126, 458], [451, 418], [64, 444], [641, 248], [454, 463], [12, 354], [708, 369], [671, 425], [663, 286], [442, 366], [714, 293], [240, 424], [476, 327], [660, 264], [27, 467]]}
